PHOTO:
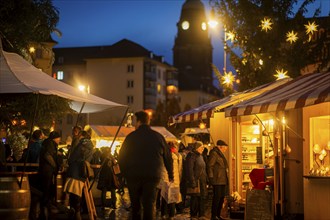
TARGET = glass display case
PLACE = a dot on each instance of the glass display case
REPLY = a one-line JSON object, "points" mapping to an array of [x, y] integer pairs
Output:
{"points": [[251, 144], [320, 146], [256, 148]]}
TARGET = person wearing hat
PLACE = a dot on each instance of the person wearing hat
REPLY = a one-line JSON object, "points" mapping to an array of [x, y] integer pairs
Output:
{"points": [[217, 169], [48, 168], [196, 178]]}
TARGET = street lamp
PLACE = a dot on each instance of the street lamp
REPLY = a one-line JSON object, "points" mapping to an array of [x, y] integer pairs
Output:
{"points": [[213, 23], [227, 78]]}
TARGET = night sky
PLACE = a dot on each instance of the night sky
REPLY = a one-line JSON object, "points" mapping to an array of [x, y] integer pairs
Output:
{"points": [[150, 23]]}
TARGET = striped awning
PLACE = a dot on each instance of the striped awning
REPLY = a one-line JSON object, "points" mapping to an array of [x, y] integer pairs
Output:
{"points": [[306, 90], [207, 110]]}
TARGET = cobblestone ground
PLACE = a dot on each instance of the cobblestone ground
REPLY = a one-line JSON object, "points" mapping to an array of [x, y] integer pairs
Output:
{"points": [[123, 211]]}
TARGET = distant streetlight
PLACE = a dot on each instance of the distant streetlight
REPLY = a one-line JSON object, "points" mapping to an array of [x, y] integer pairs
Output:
{"points": [[81, 87]]}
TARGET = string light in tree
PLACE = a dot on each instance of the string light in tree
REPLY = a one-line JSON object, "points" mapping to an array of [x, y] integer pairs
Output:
{"points": [[281, 74], [228, 79], [291, 36], [230, 36], [310, 29], [266, 24]]}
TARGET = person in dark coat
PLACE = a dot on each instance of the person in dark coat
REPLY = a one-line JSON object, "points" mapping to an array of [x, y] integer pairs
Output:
{"points": [[217, 169], [195, 176], [34, 149], [141, 159], [106, 180], [48, 168], [76, 173], [75, 138]]}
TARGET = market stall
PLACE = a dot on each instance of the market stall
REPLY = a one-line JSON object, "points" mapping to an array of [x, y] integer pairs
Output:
{"points": [[223, 128], [294, 119]]}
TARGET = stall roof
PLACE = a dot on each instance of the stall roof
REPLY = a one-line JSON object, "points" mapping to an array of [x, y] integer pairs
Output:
{"points": [[306, 90], [110, 131], [207, 110], [19, 76]]}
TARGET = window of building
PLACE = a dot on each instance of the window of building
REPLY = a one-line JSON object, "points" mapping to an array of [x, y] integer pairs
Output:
{"points": [[130, 99], [159, 74], [159, 88], [61, 60], [130, 83], [60, 75], [130, 68]]}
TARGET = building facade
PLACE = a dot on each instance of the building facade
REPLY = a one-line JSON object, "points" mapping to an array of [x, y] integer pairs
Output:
{"points": [[124, 72]]}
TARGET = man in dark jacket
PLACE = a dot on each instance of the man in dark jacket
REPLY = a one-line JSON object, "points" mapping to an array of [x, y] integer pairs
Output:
{"points": [[48, 168], [141, 158], [217, 169]]}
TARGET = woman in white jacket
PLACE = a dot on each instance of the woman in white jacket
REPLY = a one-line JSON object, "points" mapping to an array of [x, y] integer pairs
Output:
{"points": [[177, 172]]}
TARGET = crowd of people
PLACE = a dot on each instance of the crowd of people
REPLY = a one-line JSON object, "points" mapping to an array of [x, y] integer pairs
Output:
{"points": [[152, 166], [159, 175]]}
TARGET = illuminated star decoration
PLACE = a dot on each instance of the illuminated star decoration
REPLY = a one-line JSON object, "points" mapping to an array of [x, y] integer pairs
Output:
{"points": [[310, 29], [266, 24], [228, 78], [291, 37], [281, 74], [230, 36]]}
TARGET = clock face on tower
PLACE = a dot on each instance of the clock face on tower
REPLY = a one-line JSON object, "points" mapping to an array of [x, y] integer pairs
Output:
{"points": [[185, 25]]}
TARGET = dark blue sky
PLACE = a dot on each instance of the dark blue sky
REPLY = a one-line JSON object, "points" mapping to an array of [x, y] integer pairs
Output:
{"points": [[150, 23]]}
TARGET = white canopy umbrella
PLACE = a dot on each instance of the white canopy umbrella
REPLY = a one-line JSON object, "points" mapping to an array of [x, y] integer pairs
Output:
{"points": [[19, 76]]}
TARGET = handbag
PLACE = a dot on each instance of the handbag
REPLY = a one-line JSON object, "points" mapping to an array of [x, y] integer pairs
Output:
{"points": [[170, 193], [115, 171], [89, 172], [193, 191]]}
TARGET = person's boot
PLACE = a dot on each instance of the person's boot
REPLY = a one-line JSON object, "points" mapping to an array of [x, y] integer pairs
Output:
{"points": [[77, 215]]}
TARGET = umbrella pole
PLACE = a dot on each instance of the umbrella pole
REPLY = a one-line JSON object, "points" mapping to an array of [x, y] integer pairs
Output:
{"points": [[30, 135], [121, 123], [82, 107]]}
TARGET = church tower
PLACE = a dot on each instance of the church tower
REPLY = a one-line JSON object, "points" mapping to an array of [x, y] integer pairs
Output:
{"points": [[192, 52]]}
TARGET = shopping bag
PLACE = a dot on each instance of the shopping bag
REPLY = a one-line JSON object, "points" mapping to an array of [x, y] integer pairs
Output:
{"points": [[171, 193]]}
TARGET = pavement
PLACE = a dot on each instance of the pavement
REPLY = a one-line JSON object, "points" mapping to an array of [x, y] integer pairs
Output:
{"points": [[122, 212]]}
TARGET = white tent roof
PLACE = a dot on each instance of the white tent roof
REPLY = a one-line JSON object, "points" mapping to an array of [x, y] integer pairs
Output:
{"points": [[108, 131], [19, 76]]}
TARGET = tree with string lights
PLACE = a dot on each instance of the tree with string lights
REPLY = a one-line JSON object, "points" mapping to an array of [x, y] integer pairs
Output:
{"points": [[268, 39]]}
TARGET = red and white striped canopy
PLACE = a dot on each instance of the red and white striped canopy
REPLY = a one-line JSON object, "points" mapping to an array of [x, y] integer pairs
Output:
{"points": [[306, 90], [207, 110]]}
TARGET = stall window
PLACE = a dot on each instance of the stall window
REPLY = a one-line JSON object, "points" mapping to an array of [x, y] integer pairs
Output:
{"points": [[320, 146]]}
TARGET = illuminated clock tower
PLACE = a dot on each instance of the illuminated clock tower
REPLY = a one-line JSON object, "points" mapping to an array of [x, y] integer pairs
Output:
{"points": [[192, 52]]}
